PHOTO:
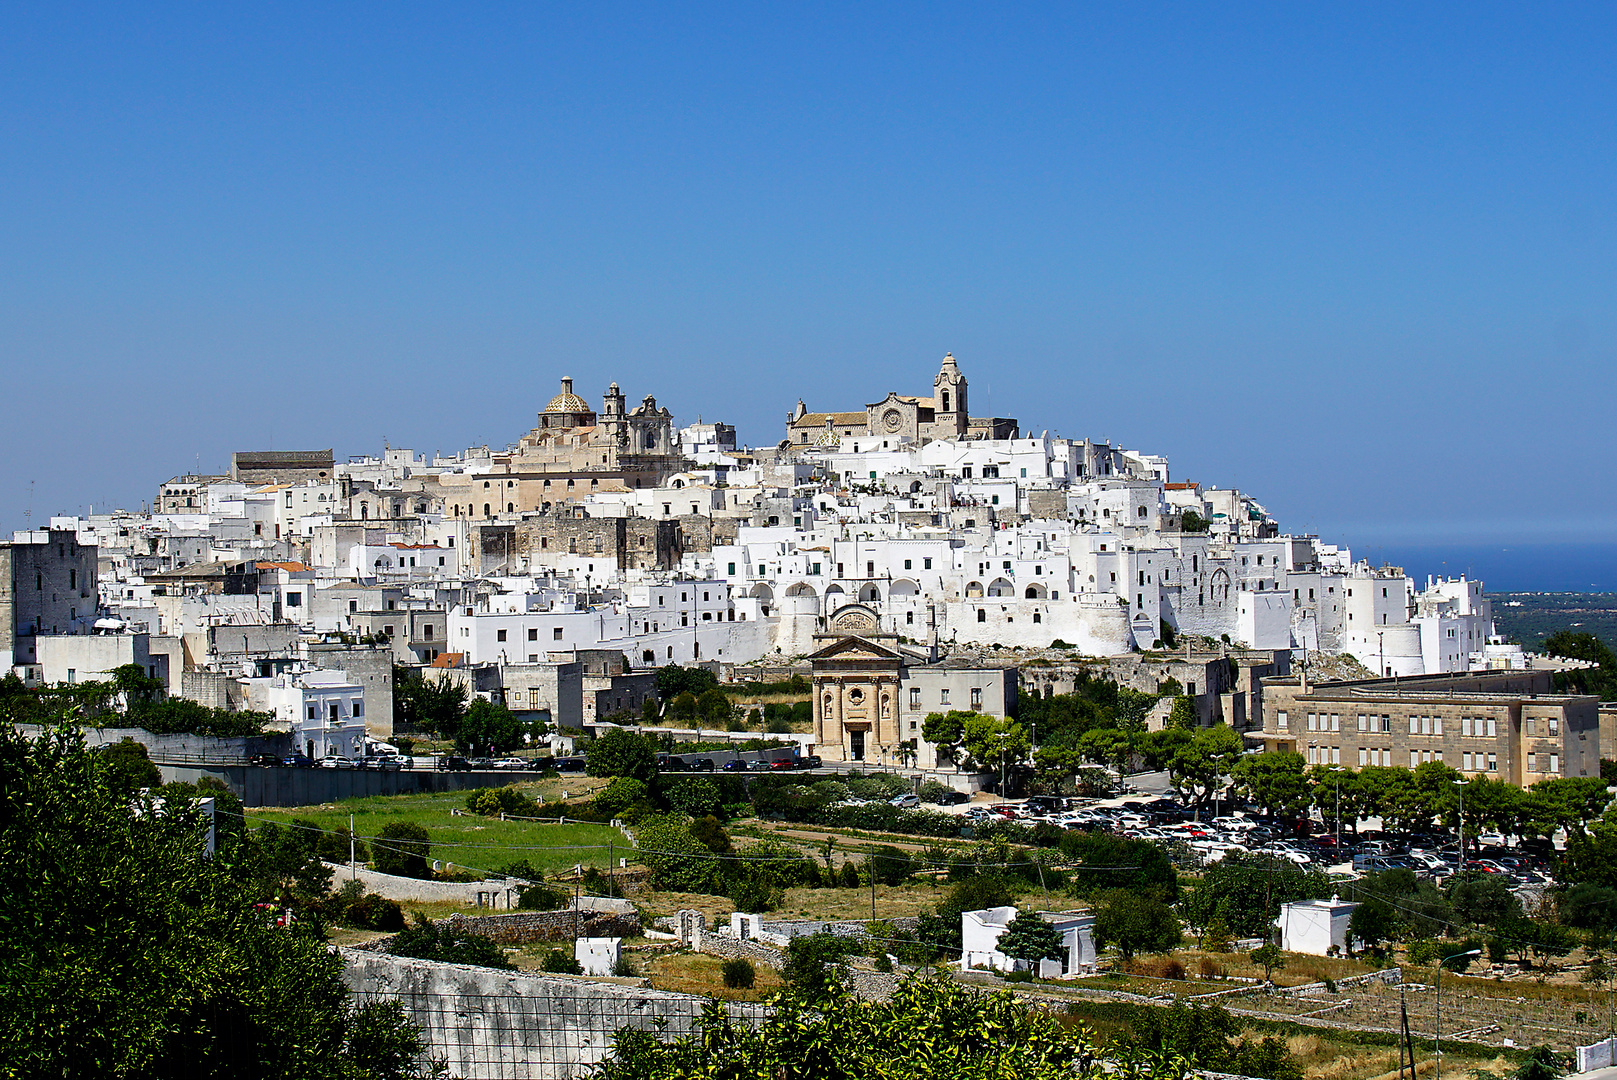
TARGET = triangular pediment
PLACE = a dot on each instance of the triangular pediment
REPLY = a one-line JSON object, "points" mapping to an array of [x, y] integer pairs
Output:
{"points": [[853, 647]]}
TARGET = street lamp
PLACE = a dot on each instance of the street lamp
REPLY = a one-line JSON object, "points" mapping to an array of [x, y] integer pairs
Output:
{"points": [[1438, 1037], [1338, 770], [1461, 831]]}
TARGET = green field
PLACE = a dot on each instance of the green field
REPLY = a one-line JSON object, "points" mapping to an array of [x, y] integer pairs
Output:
{"points": [[468, 841], [1529, 618]]}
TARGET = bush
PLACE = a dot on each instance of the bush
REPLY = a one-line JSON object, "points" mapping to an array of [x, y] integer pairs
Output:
{"points": [[402, 849], [557, 962], [373, 912], [891, 865], [624, 967], [491, 802], [1018, 976], [752, 893], [429, 941], [738, 974]]}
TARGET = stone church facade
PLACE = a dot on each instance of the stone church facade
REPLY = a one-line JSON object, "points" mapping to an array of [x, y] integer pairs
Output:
{"points": [[944, 415]]}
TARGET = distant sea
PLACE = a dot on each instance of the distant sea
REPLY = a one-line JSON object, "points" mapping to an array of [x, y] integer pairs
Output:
{"points": [[1505, 567]]}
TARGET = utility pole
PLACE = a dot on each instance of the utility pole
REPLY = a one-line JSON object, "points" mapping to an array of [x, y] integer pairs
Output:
{"points": [[1438, 1035], [353, 871], [873, 883]]}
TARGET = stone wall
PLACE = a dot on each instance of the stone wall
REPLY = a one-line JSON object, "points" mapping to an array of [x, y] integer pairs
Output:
{"points": [[519, 928], [486, 1023]]}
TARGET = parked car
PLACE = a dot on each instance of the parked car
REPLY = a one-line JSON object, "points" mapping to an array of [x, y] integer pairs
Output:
{"points": [[760, 765], [297, 761], [672, 764], [483, 763], [264, 761], [335, 761], [906, 801], [811, 762], [453, 764], [570, 764], [702, 765], [511, 763], [783, 764], [951, 798], [735, 765], [383, 763]]}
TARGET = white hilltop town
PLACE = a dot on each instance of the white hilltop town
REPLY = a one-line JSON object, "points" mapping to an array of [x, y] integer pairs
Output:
{"points": [[909, 555]]}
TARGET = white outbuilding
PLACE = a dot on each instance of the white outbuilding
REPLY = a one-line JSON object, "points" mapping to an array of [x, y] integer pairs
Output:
{"points": [[980, 932], [1314, 926]]}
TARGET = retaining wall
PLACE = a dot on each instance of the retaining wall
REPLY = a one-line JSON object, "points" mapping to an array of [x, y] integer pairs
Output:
{"points": [[256, 786], [486, 1023]]}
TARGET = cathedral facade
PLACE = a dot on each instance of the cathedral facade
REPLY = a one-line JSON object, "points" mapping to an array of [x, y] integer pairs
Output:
{"points": [[944, 415]]}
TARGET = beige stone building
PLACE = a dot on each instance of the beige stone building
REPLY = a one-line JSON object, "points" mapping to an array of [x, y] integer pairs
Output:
{"points": [[944, 415], [871, 695], [1506, 725], [571, 453]]}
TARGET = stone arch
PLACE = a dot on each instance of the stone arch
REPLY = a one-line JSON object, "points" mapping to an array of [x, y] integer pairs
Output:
{"points": [[1034, 592], [833, 590], [762, 592], [869, 594], [915, 487], [801, 588], [1001, 587], [1219, 586], [974, 590], [903, 587]]}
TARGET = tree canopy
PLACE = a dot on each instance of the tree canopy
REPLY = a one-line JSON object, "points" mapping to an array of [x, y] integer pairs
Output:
{"points": [[129, 953]]}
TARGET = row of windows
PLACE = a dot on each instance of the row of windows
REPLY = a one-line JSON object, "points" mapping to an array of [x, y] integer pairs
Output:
{"points": [[533, 634]]}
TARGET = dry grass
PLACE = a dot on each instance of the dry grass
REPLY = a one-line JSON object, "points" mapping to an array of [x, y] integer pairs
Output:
{"points": [[695, 973]]}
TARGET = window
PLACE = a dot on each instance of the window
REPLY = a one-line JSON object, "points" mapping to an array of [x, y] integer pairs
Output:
{"points": [[943, 696], [1336, 722], [1312, 722], [1414, 725], [1493, 762], [1465, 761], [1493, 733], [533, 633], [1414, 758], [1437, 725], [388, 630], [732, 570], [359, 707], [976, 697], [1555, 726], [1465, 726], [1386, 724], [1336, 755], [915, 697], [353, 606], [555, 633], [1362, 724], [982, 615], [907, 564], [294, 599], [1281, 719], [314, 713], [1555, 763], [499, 635], [1364, 757], [426, 632], [909, 618], [926, 564]]}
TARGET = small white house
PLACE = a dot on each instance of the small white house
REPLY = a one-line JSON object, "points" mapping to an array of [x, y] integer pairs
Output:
{"points": [[1313, 926], [598, 955], [980, 932]]}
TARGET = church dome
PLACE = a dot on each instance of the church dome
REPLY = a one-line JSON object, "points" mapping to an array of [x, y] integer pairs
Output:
{"points": [[567, 401]]}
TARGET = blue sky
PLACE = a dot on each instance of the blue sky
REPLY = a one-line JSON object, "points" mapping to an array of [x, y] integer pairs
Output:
{"points": [[1354, 259]]}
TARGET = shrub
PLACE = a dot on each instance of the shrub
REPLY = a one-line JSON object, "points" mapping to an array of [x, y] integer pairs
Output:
{"points": [[430, 941], [491, 802], [1019, 976], [373, 912], [738, 974], [557, 962], [891, 865], [1210, 968], [402, 849], [624, 967]]}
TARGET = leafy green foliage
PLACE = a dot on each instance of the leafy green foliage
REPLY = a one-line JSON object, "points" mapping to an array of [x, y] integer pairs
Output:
{"points": [[1106, 862], [129, 768], [813, 963], [557, 962], [1030, 938], [129, 953], [692, 795], [931, 1029], [942, 928], [1277, 782], [420, 704], [622, 753], [1206, 1036], [677, 859], [673, 680], [492, 802], [738, 973], [490, 726], [1578, 645], [403, 848], [447, 943], [1132, 923], [1245, 891]]}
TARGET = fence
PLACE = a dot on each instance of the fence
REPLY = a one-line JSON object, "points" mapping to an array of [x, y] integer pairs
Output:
{"points": [[1597, 1056]]}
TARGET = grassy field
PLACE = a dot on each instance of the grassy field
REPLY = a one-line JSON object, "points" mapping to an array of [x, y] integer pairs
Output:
{"points": [[695, 973], [467, 841]]}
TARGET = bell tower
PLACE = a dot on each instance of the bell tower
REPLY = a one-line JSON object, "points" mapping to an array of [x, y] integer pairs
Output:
{"points": [[949, 391]]}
